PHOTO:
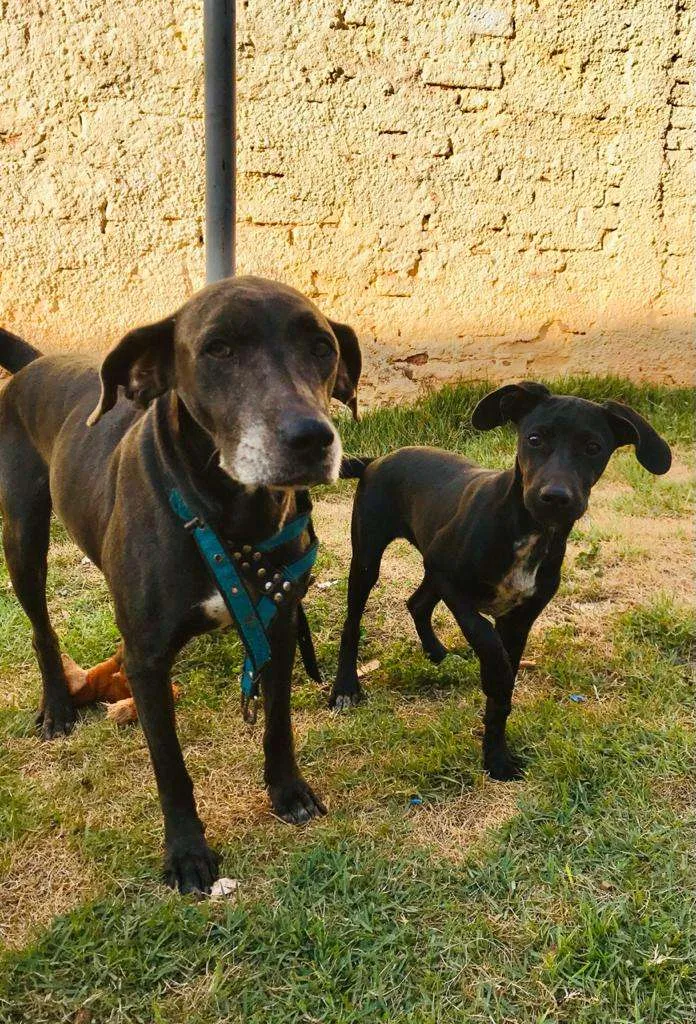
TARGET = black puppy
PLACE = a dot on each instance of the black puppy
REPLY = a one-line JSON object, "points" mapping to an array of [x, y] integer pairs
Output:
{"points": [[236, 388], [492, 542]]}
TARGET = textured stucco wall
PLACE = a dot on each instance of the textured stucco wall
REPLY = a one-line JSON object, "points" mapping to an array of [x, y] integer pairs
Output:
{"points": [[481, 189]]}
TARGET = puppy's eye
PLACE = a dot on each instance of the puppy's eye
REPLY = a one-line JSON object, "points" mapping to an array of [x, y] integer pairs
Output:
{"points": [[322, 348], [218, 349], [593, 447], [534, 441]]}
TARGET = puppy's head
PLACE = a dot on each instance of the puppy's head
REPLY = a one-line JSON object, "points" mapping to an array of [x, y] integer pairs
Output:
{"points": [[564, 444], [255, 364]]}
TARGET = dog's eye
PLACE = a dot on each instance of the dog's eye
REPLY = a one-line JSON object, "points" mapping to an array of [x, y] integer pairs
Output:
{"points": [[593, 447], [534, 440], [218, 349], [322, 348]]}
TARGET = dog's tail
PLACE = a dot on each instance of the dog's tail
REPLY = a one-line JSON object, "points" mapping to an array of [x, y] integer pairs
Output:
{"points": [[353, 466], [15, 352]]}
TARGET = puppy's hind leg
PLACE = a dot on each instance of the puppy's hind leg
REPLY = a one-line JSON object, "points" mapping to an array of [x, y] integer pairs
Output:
{"points": [[27, 516], [421, 604]]}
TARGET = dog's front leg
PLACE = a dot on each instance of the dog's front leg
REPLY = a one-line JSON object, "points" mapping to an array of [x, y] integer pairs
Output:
{"points": [[514, 628], [497, 678], [291, 797], [189, 864]]}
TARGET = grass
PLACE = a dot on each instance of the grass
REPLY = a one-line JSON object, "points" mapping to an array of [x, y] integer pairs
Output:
{"points": [[429, 894]]}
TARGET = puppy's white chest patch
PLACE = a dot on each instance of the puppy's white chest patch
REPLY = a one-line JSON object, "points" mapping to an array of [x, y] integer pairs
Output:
{"points": [[215, 609], [519, 582]]}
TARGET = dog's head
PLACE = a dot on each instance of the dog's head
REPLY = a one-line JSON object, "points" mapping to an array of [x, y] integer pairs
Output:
{"points": [[255, 364], [564, 444]]}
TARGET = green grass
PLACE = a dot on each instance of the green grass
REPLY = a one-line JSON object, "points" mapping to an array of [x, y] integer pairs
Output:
{"points": [[443, 418], [649, 495], [566, 898]]}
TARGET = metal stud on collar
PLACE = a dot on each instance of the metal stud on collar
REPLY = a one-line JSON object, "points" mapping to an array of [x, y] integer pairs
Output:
{"points": [[250, 709]]}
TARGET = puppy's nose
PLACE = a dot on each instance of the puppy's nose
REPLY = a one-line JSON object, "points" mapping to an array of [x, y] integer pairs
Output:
{"points": [[555, 496], [306, 434]]}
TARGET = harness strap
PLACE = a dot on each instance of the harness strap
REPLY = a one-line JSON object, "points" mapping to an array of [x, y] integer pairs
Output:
{"points": [[252, 620], [290, 531], [229, 582]]}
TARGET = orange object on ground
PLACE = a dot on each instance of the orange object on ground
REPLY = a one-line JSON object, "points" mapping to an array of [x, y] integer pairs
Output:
{"points": [[105, 682]]}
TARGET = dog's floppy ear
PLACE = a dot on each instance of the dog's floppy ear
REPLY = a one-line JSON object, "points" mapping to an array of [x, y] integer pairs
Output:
{"points": [[629, 427], [142, 363], [349, 367], [511, 402]]}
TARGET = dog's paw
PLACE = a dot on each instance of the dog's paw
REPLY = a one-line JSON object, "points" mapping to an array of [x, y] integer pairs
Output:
{"points": [[502, 765], [191, 866], [56, 719], [345, 698], [345, 701], [295, 802], [123, 712], [436, 652]]}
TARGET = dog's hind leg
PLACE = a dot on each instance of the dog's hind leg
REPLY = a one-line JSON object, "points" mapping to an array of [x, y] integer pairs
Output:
{"points": [[421, 604], [26, 529]]}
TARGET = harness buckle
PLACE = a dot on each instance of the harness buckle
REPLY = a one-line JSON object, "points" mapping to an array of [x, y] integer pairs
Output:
{"points": [[250, 707]]}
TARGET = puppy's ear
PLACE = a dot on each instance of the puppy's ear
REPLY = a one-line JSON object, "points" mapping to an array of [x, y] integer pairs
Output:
{"points": [[142, 363], [511, 402], [629, 427], [349, 367]]}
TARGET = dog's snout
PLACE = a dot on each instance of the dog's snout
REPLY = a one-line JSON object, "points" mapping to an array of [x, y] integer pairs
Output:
{"points": [[555, 496], [307, 435]]}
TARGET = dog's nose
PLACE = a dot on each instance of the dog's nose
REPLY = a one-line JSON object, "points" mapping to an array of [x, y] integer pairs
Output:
{"points": [[307, 434], [555, 496]]}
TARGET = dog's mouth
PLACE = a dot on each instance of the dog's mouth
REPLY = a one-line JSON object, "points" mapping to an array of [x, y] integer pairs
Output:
{"points": [[563, 518], [254, 463]]}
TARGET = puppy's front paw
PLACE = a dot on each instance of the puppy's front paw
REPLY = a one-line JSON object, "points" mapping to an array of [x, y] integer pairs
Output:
{"points": [[295, 802], [345, 701], [190, 865], [56, 718], [435, 652], [346, 695], [502, 765]]}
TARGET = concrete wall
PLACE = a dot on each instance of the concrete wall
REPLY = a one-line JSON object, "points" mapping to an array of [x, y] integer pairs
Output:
{"points": [[481, 190]]}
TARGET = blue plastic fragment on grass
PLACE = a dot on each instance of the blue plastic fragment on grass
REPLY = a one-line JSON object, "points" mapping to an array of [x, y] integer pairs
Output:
{"points": [[578, 698], [416, 800]]}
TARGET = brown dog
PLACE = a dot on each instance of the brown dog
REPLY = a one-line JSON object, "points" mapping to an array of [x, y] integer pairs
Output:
{"points": [[106, 682]]}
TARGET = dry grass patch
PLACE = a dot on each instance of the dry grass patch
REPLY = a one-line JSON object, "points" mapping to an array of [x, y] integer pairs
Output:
{"points": [[43, 876], [447, 829]]}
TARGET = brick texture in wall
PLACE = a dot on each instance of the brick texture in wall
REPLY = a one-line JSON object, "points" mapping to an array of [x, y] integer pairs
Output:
{"points": [[482, 190]]}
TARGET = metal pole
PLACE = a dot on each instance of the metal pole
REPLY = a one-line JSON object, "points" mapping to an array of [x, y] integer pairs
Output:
{"points": [[220, 143]]}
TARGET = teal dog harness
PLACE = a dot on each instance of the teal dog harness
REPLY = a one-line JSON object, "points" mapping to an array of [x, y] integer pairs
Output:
{"points": [[252, 619]]}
